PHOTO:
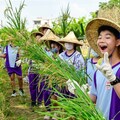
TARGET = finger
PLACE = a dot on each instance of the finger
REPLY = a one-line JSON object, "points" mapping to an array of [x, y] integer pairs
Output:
{"points": [[98, 67], [105, 67], [106, 59]]}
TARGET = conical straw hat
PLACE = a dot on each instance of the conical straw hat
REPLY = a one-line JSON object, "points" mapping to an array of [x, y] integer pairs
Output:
{"points": [[92, 31], [71, 38], [50, 36], [46, 25], [34, 34]]}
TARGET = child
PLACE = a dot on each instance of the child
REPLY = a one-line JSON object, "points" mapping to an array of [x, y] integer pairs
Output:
{"points": [[37, 36], [44, 28], [72, 56], [36, 92], [51, 40], [13, 66], [104, 37]]}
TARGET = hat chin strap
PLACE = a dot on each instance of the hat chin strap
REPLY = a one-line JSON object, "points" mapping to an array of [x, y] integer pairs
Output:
{"points": [[111, 54]]}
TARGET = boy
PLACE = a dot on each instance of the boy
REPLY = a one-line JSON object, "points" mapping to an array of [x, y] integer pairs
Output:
{"points": [[104, 37]]}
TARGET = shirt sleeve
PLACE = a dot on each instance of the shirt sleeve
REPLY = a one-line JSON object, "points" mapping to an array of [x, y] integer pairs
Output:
{"points": [[79, 62]]}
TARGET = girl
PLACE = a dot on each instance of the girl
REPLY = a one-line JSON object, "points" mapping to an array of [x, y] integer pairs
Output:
{"points": [[105, 91], [72, 57], [51, 40]]}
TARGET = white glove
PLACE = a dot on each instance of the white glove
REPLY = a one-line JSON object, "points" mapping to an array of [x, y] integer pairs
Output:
{"points": [[18, 63], [84, 87], [106, 68], [71, 85]]}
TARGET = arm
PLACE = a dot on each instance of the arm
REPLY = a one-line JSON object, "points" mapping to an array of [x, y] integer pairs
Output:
{"points": [[93, 98], [79, 62], [117, 89], [3, 55]]}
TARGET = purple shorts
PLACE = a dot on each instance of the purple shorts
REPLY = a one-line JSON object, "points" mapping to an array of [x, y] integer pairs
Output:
{"points": [[16, 70]]}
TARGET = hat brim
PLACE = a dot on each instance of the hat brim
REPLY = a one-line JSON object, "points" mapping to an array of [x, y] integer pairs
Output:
{"points": [[72, 41], [92, 32], [36, 33], [42, 28]]}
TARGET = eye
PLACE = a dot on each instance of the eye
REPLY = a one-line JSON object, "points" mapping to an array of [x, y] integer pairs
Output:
{"points": [[99, 37], [107, 37]]}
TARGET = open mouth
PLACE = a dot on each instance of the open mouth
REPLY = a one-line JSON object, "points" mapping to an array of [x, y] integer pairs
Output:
{"points": [[103, 47]]}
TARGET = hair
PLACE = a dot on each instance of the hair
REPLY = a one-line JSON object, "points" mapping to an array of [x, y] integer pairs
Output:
{"points": [[61, 47], [109, 28], [38, 34]]}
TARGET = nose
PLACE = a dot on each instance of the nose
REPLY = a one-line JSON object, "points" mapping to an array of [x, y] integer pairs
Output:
{"points": [[101, 39]]}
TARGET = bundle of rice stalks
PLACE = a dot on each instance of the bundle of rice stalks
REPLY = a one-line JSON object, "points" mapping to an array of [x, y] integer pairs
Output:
{"points": [[78, 108]]}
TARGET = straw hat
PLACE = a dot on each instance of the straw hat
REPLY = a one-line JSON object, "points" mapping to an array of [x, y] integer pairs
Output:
{"points": [[45, 26], [34, 34], [71, 38], [50, 36], [10, 38], [92, 31]]}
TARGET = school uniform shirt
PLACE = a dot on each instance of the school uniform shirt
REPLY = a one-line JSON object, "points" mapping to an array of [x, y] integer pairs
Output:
{"points": [[12, 53], [74, 59], [90, 69], [107, 100]]}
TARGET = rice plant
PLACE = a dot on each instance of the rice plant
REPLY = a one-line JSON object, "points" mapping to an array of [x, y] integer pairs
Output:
{"points": [[78, 108]]}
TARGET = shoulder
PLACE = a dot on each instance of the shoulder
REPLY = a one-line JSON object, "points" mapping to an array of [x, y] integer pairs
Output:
{"points": [[77, 53], [61, 54]]}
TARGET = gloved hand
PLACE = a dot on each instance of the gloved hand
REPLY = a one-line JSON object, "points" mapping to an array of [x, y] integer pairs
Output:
{"points": [[84, 87], [106, 68], [71, 85], [18, 63]]}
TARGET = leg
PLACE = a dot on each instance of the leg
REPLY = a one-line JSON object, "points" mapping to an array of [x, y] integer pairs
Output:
{"points": [[12, 78], [41, 90], [20, 81], [33, 87], [47, 96]]}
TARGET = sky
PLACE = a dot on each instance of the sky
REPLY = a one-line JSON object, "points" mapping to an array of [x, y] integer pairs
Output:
{"points": [[49, 9]]}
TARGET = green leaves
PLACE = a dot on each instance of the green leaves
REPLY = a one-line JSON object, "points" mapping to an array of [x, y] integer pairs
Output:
{"points": [[14, 16]]}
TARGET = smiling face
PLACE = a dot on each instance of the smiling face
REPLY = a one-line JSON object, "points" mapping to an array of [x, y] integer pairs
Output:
{"points": [[108, 40]]}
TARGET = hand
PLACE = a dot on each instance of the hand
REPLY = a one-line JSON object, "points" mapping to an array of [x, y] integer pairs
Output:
{"points": [[71, 85], [18, 63], [84, 87], [106, 68]]}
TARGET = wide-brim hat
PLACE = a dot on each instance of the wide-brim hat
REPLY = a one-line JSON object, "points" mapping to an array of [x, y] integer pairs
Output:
{"points": [[92, 31], [34, 34], [44, 27], [10, 38], [71, 38], [49, 37]]}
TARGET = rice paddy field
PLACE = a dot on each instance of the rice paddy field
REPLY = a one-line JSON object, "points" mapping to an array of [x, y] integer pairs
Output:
{"points": [[19, 108]]}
